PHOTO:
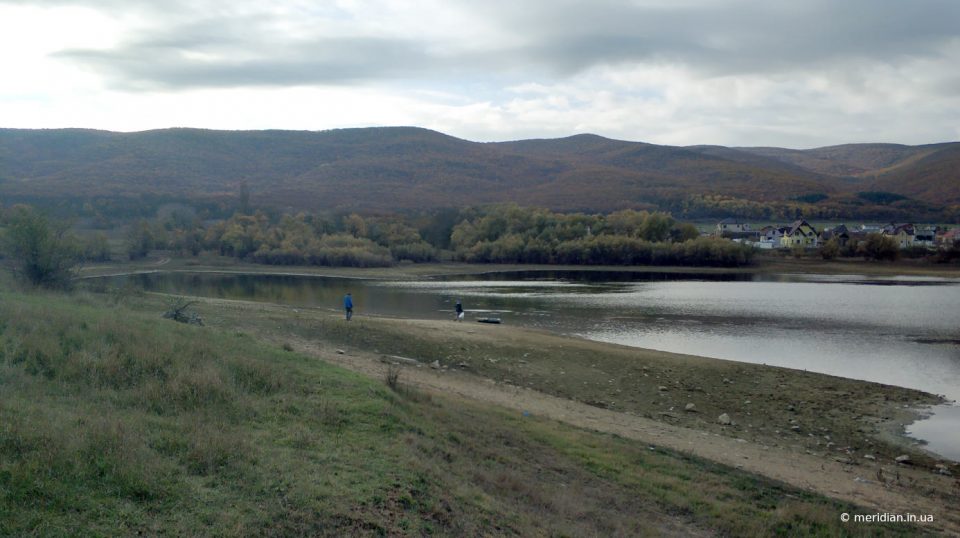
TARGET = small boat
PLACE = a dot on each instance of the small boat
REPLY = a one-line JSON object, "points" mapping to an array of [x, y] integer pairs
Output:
{"points": [[488, 320]]}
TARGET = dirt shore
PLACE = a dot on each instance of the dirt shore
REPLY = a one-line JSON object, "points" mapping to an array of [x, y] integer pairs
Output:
{"points": [[821, 433]]}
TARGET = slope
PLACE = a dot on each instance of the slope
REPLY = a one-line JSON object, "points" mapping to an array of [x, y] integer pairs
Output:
{"points": [[377, 169]]}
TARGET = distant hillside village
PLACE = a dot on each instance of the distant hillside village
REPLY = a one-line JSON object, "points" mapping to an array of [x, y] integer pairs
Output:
{"points": [[802, 235]]}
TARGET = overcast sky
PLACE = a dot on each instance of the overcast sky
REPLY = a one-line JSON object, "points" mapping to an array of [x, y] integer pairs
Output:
{"points": [[794, 73]]}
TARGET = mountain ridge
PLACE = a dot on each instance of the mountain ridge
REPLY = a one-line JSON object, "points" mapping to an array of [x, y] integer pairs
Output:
{"points": [[393, 168]]}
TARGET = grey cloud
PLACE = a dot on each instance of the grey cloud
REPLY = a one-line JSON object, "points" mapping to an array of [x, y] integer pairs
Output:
{"points": [[163, 65], [560, 38], [735, 37]]}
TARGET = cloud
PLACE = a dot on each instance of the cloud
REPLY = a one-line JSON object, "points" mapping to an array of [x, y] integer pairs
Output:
{"points": [[176, 65], [672, 71], [247, 45]]}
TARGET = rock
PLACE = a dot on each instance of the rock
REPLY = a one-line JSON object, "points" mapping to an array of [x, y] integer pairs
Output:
{"points": [[690, 407], [661, 388], [724, 419], [795, 428], [870, 457], [435, 365], [942, 469], [341, 352], [903, 458]]}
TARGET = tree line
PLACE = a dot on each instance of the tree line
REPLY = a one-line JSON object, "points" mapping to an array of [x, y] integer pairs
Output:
{"points": [[45, 251], [513, 234]]}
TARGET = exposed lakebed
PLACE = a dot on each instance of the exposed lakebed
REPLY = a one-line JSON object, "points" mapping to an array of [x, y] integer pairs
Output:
{"points": [[898, 330]]}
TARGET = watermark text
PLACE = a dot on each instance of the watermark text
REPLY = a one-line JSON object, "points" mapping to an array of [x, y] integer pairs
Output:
{"points": [[882, 517]]}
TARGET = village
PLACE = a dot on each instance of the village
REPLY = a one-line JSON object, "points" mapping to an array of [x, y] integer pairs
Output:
{"points": [[803, 235]]}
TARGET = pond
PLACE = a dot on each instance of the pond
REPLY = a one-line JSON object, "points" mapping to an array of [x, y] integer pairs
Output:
{"points": [[898, 330]]}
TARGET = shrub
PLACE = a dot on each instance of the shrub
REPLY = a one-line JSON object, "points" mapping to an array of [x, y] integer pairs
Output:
{"points": [[879, 247], [41, 250], [830, 249]]}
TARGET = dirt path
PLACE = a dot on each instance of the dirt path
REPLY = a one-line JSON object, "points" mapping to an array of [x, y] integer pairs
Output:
{"points": [[857, 484]]}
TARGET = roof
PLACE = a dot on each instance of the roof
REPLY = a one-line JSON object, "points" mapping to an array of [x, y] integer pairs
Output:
{"points": [[797, 224], [730, 220], [838, 231], [895, 229]]}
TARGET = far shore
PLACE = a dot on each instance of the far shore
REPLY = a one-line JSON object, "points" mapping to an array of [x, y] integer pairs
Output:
{"points": [[765, 264]]}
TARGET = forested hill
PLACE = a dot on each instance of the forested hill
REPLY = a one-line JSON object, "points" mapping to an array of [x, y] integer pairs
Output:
{"points": [[394, 168]]}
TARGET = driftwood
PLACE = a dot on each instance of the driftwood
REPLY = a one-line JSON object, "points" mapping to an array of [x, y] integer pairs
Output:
{"points": [[396, 359], [177, 311]]}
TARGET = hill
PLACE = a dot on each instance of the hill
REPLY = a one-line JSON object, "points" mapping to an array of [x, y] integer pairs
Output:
{"points": [[929, 173], [396, 168], [933, 177]]}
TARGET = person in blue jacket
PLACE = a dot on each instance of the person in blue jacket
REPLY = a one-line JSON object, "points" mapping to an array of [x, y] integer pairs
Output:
{"points": [[348, 305]]}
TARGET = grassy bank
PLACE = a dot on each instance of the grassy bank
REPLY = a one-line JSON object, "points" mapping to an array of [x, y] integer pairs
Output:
{"points": [[808, 412], [116, 422]]}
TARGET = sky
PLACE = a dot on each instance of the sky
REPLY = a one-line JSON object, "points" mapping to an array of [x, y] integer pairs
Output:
{"points": [[790, 73]]}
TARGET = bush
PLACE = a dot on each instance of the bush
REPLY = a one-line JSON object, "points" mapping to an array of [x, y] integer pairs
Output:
{"points": [[415, 252], [879, 247], [915, 252], [830, 249], [42, 251]]}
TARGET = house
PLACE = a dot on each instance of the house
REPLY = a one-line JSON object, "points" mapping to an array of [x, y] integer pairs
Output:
{"points": [[731, 225], [903, 234], [800, 234], [769, 237], [925, 236], [948, 238], [840, 233]]}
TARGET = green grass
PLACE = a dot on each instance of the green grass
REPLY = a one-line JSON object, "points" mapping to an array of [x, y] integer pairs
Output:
{"points": [[114, 421]]}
